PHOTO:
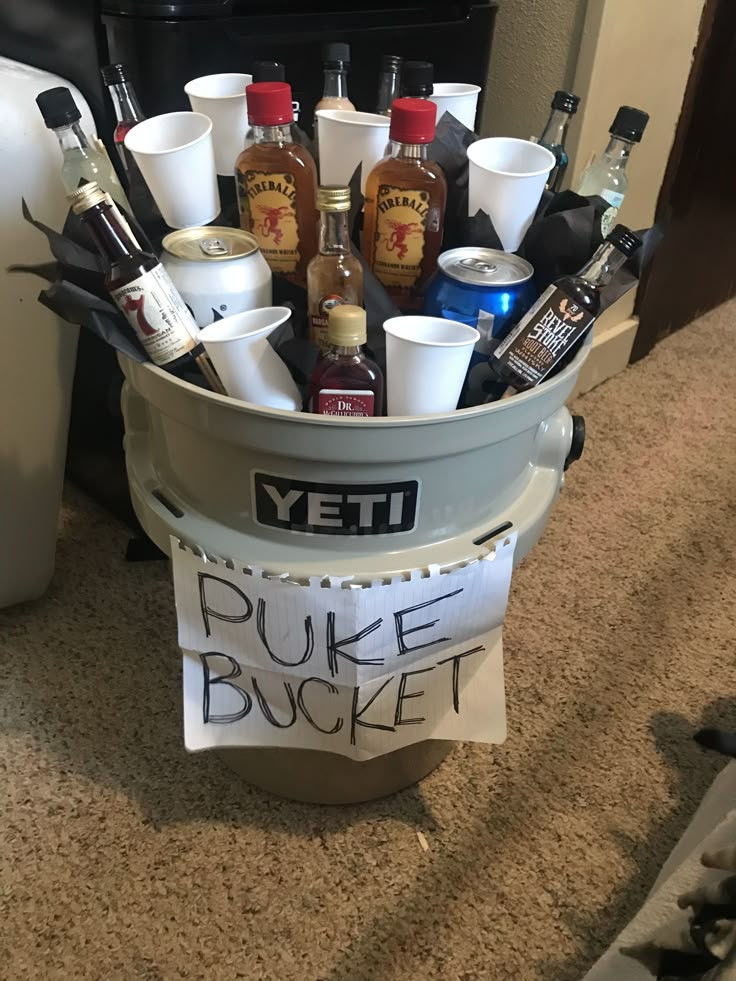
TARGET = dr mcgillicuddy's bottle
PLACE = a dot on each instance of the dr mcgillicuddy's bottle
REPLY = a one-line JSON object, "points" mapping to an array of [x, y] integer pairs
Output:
{"points": [[345, 381], [561, 317], [141, 288], [564, 107], [606, 176], [80, 161], [405, 196], [277, 184]]}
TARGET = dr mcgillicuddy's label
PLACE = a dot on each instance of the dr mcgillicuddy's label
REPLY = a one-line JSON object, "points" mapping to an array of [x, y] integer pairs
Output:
{"points": [[543, 335], [334, 509], [336, 402], [158, 315]]}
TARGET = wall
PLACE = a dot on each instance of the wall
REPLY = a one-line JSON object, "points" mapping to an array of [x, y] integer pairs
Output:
{"points": [[630, 53], [535, 50]]}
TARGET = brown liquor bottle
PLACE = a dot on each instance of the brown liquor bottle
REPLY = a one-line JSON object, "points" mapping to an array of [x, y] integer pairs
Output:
{"points": [[141, 289], [277, 184], [556, 325], [405, 199]]}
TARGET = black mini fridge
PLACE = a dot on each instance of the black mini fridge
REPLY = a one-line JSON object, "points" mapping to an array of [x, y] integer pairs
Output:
{"points": [[168, 43]]}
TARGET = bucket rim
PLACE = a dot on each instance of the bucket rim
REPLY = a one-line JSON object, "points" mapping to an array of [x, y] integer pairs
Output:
{"points": [[346, 422]]}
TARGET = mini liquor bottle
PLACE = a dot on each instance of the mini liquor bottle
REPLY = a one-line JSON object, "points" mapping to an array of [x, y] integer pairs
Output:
{"points": [[129, 113], [417, 80], [345, 382], [141, 288], [336, 64], [81, 160], [388, 84], [405, 199], [607, 176], [334, 275], [564, 107], [277, 184], [561, 317]]}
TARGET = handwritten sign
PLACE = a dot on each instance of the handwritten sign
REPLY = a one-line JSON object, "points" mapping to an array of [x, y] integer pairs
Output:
{"points": [[334, 666]]}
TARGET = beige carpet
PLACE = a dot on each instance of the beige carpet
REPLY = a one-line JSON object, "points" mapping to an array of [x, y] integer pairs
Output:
{"points": [[122, 857]]}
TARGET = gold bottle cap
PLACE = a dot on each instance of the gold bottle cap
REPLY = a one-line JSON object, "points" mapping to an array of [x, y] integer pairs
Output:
{"points": [[333, 197], [346, 326], [86, 197]]}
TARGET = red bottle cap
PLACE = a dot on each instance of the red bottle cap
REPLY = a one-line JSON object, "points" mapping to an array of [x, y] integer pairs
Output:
{"points": [[269, 103], [412, 121]]}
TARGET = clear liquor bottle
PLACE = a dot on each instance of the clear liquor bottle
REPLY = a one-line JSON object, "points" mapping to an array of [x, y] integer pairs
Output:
{"points": [[607, 176], [564, 107], [82, 162], [389, 84]]}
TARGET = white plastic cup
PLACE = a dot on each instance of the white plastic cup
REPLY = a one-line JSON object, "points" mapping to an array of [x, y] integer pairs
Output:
{"points": [[174, 153], [248, 366], [506, 180], [222, 98], [427, 359], [458, 98], [346, 139]]}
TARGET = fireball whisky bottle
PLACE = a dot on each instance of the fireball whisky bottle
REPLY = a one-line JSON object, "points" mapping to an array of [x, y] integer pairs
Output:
{"points": [[277, 184], [405, 197]]}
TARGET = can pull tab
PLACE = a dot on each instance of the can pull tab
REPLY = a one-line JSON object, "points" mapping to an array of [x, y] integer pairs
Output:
{"points": [[214, 246], [478, 265]]}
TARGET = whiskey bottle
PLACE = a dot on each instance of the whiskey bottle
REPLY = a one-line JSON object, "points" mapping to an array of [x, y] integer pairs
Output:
{"points": [[405, 199], [389, 84], [345, 382], [141, 289], [561, 317], [334, 275], [564, 107], [417, 80], [607, 176], [277, 184]]}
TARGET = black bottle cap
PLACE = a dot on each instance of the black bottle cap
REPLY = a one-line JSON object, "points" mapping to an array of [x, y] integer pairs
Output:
{"points": [[629, 123], [625, 240], [111, 74], [565, 101], [336, 54], [417, 79], [269, 71], [58, 107], [390, 63]]}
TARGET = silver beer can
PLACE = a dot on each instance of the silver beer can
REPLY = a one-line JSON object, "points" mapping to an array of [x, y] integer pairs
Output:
{"points": [[218, 271]]}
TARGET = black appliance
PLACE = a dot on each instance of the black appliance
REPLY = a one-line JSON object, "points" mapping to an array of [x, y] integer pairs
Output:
{"points": [[167, 43]]}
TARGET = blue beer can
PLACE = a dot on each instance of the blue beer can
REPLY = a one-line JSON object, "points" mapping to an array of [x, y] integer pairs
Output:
{"points": [[487, 289]]}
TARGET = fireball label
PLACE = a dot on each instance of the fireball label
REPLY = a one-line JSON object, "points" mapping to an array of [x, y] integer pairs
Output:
{"points": [[268, 211], [544, 335], [401, 222]]}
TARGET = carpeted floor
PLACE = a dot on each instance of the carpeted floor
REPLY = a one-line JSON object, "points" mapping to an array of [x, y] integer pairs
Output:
{"points": [[122, 857]]}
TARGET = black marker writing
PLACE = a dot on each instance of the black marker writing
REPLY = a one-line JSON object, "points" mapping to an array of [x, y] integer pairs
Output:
{"points": [[261, 628], [403, 696], [334, 647], [207, 610], [305, 711], [402, 632], [456, 674], [210, 682]]}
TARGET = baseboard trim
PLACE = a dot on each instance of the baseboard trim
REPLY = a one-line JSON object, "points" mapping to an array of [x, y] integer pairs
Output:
{"points": [[609, 355]]}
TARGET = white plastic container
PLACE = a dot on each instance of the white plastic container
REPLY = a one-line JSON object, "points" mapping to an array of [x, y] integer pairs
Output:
{"points": [[39, 350]]}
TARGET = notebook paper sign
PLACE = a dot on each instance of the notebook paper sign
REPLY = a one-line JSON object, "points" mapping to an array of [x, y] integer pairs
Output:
{"points": [[332, 666]]}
